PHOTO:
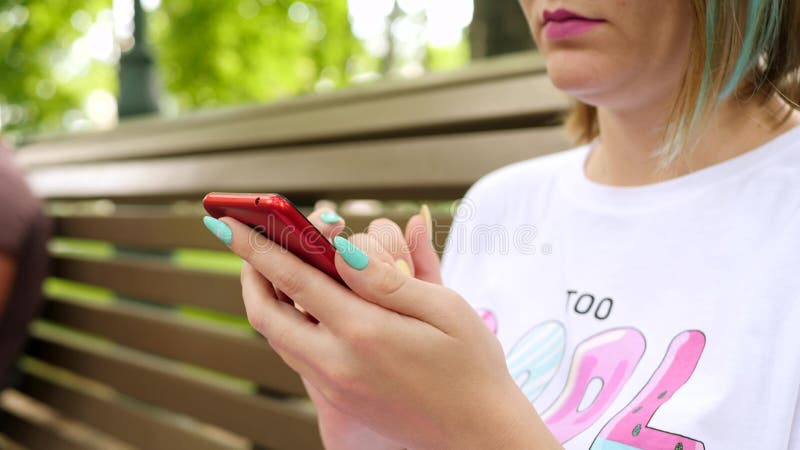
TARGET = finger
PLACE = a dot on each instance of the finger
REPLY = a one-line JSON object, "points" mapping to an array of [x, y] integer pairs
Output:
{"points": [[298, 349], [427, 266], [327, 222], [278, 294], [313, 290], [286, 328], [381, 283], [390, 237]]}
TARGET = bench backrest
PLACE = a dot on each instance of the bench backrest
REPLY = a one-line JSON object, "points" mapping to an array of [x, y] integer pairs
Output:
{"points": [[143, 336]]}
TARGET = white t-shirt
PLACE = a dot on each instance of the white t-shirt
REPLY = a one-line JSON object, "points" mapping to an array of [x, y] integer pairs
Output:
{"points": [[657, 317]]}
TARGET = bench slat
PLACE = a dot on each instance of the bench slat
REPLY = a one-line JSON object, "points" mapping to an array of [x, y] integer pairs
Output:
{"points": [[242, 354], [121, 421], [164, 232], [498, 68], [408, 168], [276, 424], [495, 103], [34, 436], [156, 281], [154, 231]]}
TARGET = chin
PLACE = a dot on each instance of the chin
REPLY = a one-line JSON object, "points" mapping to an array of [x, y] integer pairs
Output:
{"points": [[582, 77]]}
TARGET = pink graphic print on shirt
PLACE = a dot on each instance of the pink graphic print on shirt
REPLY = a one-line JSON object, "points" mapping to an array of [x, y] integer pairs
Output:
{"points": [[608, 357], [628, 429]]}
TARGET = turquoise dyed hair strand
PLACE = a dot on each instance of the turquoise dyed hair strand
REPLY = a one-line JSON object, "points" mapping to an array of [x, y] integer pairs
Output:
{"points": [[758, 35], [760, 31]]}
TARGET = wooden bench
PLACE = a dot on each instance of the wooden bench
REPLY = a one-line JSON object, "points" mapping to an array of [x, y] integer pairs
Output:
{"points": [[156, 353]]}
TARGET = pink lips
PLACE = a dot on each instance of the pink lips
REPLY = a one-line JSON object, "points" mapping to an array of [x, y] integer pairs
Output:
{"points": [[561, 23]]}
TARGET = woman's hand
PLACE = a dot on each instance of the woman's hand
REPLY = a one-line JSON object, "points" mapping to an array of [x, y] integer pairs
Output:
{"points": [[339, 431], [407, 358]]}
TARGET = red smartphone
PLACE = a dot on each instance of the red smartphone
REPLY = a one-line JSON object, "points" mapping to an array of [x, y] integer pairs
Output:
{"points": [[275, 217]]}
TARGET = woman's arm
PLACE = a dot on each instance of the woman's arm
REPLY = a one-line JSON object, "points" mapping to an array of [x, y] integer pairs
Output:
{"points": [[8, 271]]}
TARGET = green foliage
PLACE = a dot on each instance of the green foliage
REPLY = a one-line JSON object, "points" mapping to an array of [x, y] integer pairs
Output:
{"points": [[439, 59], [208, 53], [36, 86], [218, 52]]}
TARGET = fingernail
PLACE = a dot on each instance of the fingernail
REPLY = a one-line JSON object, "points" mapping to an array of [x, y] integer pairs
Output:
{"points": [[330, 217], [426, 214], [219, 229], [352, 255], [402, 266]]}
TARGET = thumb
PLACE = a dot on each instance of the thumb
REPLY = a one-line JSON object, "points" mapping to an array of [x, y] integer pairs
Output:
{"points": [[378, 281], [419, 237]]}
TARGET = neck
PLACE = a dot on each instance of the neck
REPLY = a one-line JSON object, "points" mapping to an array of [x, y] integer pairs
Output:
{"points": [[623, 156]]}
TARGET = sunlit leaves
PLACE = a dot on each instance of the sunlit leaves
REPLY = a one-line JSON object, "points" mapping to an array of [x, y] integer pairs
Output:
{"points": [[60, 57], [44, 76], [219, 52]]}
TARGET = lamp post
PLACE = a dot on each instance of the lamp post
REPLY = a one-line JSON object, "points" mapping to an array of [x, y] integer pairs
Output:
{"points": [[499, 27], [137, 87]]}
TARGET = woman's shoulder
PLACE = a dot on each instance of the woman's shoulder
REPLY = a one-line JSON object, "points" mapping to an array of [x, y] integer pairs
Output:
{"points": [[776, 166]]}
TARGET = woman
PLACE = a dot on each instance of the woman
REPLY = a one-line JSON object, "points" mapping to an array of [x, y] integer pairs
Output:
{"points": [[658, 306]]}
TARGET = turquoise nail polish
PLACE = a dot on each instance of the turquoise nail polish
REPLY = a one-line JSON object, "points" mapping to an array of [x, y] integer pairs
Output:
{"points": [[352, 255], [219, 229], [330, 217]]}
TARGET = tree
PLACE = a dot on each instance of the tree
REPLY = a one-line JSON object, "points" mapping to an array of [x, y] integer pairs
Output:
{"points": [[58, 53], [61, 57], [49, 66], [216, 52]]}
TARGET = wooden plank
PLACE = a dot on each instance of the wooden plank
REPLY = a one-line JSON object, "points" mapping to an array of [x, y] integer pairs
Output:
{"points": [[155, 231], [278, 424], [240, 354], [165, 231], [433, 113], [156, 281], [432, 110], [497, 68], [34, 436], [427, 167], [129, 424], [8, 444]]}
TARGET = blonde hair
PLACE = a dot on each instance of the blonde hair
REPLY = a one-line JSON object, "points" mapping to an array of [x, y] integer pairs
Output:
{"points": [[724, 59]]}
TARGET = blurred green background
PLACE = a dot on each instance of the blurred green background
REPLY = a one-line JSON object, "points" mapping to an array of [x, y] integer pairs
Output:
{"points": [[61, 63]]}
